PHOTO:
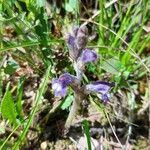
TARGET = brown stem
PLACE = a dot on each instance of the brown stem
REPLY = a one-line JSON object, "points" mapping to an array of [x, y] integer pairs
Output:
{"points": [[74, 110]]}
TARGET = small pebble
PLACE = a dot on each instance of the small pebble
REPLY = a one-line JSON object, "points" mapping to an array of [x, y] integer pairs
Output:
{"points": [[43, 145]]}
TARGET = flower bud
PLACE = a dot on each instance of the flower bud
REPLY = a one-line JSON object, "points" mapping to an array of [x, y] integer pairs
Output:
{"points": [[73, 50], [81, 39], [75, 30], [77, 41]]}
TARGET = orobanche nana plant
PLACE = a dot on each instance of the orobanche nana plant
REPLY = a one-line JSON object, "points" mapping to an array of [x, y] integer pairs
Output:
{"points": [[80, 55]]}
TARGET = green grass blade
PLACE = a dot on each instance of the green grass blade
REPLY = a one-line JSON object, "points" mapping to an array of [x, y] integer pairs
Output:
{"points": [[37, 99], [85, 125], [145, 42], [126, 57], [123, 25], [5, 142], [101, 21], [25, 44], [19, 107]]}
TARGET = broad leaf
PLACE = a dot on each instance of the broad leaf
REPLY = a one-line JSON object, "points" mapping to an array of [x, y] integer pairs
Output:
{"points": [[8, 108], [67, 102], [11, 67], [71, 6], [112, 65]]}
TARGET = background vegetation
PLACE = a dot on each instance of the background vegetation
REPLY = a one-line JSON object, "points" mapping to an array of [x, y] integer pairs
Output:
{"points": [[33, 51]]}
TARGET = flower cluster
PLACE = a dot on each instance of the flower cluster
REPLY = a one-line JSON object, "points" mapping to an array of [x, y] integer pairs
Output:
{"points": [[80, 55]]}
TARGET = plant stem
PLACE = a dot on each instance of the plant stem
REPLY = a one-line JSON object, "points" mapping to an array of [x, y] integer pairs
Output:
{"points": [[76, 103], [74, 109]]}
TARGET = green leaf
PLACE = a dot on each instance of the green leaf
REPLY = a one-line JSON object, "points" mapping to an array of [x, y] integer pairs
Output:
{"points": [[71, 6], [112, 65], [19, 108], [8, 108], [40, 3], [85, 125], [67, 102], [11, 67], [91, 67]]}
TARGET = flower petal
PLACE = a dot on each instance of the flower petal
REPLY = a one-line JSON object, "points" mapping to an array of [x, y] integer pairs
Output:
{"points": [[55, 84], [88, 56], [73, 50], [100, 87], [105, 98], [59, 88], [66, 79], [61, 93], [71, 42]]}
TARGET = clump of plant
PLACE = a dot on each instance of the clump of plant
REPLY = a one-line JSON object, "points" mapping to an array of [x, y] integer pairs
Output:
{"points": [[80, 56]]}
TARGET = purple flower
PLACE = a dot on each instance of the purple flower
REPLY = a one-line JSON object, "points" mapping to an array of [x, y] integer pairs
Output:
{"points": [[100, 87], [88, 55], [60, 85]]}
